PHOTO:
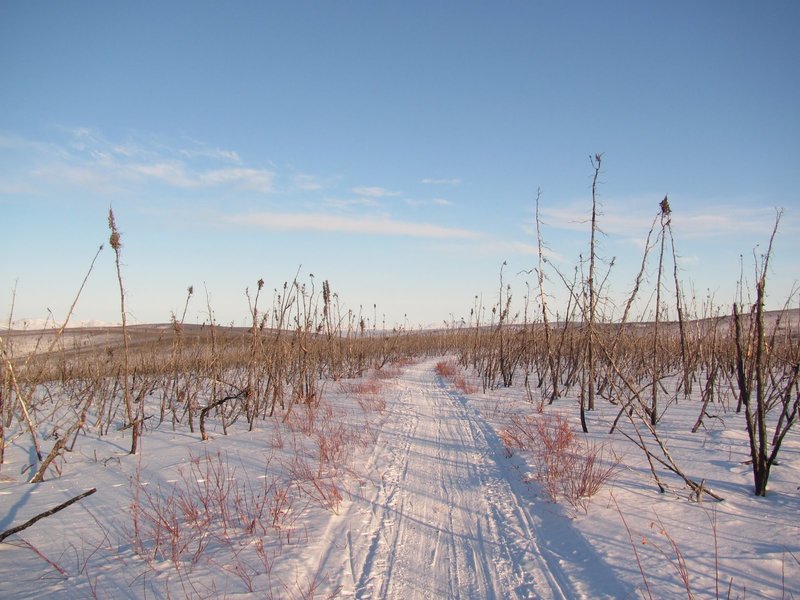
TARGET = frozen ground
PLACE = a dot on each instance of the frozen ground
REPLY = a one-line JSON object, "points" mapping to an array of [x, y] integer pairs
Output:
{"points": [[419, 500]]}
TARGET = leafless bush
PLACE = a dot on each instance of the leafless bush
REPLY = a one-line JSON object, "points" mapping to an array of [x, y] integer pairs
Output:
{"points": [[323, 488], [566, 466], [367, 393], [449, 370], [365, 386], [206, 505]]}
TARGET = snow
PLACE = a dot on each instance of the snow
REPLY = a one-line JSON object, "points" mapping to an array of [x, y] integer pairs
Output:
{"points": [[398, 488]]}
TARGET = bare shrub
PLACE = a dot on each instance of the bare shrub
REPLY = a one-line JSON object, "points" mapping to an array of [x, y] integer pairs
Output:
{"points": [[446, 369], [388, 372], [332, 438], [206, 505], [566, 466], [367, 392], [449, 370], [364, 386], [321, 487]]}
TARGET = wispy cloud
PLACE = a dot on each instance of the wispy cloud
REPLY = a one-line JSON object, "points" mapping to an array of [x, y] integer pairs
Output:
{"points": [[431, 181], [435, 202], [199, 149], [488, 246], [374, 192], [627, 219], [87, 160], [256, 180], [726, 221], [506, 248], [18, 143], [110, 174], [575, 217], [309, 183], [348, 204], [212, 153], [384, 225]]}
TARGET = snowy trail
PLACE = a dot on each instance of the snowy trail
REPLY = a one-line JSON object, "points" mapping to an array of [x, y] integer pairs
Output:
{"points": [[432, 507], [441, 516]]}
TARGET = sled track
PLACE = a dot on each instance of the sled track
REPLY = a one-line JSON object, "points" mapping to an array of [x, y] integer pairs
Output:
{"points": [[445, 514]]}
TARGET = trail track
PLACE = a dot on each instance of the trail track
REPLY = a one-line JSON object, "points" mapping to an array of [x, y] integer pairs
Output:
{"points": [[444, 513]]}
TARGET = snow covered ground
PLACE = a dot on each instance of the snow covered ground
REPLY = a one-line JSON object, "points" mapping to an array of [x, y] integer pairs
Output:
{"points": [[397, 488]]}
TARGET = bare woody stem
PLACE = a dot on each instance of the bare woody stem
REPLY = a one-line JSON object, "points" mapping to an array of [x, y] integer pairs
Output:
{"points": [[116, 245], [47, 513]]}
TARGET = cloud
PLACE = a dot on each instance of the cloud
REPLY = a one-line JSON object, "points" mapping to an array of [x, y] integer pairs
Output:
{"points": [[256, 180], [578, 218], [725, 221], [374, 192], [353, 203], [115, 176], [212, 153], [629, 220], [435, 201], [84, 138], [499, 249], [202, 150], [507, 247], [685, 261], [88, 161], [22, 145], [463, 240], [173, 174], [429, 181], [342, 224], [85, 178], [307, 183]]}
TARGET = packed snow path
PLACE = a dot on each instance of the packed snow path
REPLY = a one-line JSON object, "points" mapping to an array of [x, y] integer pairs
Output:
{"points": [[442, 515]]}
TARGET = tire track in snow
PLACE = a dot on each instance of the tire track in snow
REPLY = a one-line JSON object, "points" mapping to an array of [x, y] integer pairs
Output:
{"points": [[390, 506], [446, 517], [344, 558], [441, 529], [539, 538]]}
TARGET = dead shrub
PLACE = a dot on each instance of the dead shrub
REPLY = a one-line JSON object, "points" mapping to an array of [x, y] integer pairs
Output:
{"points": [[392, 371], [363, 386], [367, 392], [446, 369], [206, 505], [320, 487], [450, 371], [566, 466]]}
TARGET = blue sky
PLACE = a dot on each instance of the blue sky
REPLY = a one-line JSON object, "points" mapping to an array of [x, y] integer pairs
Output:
{"points": [[394, 149]]}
